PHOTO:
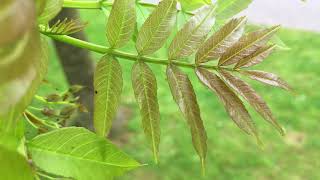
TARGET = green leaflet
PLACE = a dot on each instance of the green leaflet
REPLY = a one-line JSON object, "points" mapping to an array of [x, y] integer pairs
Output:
{"points": [[145, 89], [256, 57], [17, 18], [185, 97], [220, 41], [15, 166], [254, 99], [228, 8], [121, 22], [80, 154], [189, 5], [193, 33], [51, 9], [157, 28], [267, 78], [230, 100], [247, 45], [108, 87]]}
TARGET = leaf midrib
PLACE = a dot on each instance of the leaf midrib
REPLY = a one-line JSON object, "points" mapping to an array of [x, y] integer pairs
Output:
{"points": [[39, 149], [188, 107], [249, 45]]}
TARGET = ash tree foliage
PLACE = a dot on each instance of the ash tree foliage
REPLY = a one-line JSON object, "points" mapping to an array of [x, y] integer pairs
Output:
{"points": [[208, 39]]}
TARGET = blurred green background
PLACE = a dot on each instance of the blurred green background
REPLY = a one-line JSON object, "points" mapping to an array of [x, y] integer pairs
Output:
{"points": [[231, 153]]}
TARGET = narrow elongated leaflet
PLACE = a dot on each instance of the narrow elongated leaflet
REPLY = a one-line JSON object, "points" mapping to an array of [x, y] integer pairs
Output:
{"points": [[185, 97], [247, 45], [220, 41], [145, 89], [256, 57], [79, 154], [193, 33], [157, 28], [230, 100], [267, 78], [121, 22], [108, 87], [254, 99]]}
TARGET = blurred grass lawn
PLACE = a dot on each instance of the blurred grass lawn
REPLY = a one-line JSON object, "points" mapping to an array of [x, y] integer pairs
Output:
{"points": [[231, 154]]}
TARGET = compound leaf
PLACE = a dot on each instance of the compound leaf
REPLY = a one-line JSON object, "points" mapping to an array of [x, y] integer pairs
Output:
{"points": [[254, 99], [80, 154], [247, 45], [108, 87], [230, 100], [220, 41], [193, 33], [267, 78], [121, 22], [157, 28], [185, 97], [145, 89]]}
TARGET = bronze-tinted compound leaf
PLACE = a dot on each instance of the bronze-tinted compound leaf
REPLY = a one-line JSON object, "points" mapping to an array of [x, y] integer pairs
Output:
{"points": [[193, 33], [256, 57], [267, 78], [157, 28], [230, 100], [17, 18], [121, 22], [184, 95], [51, 9], [108, 87], [220, 41], [145, 89], [251, 96], [247, 45]]}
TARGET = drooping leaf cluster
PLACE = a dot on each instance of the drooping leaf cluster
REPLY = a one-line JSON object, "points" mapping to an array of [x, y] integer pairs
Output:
{"points": [[231, 49]]}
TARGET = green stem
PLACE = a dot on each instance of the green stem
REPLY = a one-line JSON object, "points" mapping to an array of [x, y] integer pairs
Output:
{"points": [[128, 56], [99, 4]]}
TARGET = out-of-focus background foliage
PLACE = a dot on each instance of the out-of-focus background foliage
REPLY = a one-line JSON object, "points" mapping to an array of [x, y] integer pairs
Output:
{"points": [[231, 154]]}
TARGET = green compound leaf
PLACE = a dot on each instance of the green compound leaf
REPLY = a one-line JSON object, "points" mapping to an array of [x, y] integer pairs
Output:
{"points": [[51, 9], [247, 45], [228, 8], [145, 89], [255, 100], [256, 57], [157, 28], [17, 18], [220, 41], [108, 84], [121, 22], [267, 78], [230, 100], [80, 154], [13, 162], [193, 33], [185, 97]]}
